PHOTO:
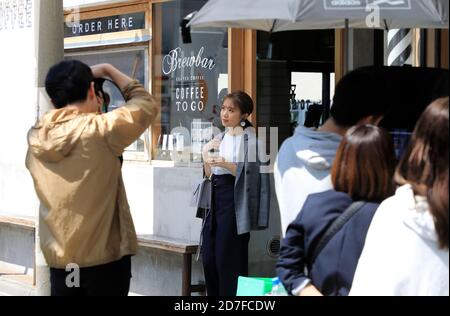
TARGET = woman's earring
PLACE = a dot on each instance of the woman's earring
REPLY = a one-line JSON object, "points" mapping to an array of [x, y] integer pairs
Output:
{"points": [[243, 124]]}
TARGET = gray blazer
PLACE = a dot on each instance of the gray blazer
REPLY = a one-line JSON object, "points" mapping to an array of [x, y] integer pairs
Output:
{"points": [[251, 189]]}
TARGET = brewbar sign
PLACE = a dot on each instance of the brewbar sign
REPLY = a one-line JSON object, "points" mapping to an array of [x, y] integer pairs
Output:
{"points": [[189, 70], [109, 24]]}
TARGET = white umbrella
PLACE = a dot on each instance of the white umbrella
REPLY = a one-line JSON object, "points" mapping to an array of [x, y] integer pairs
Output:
{"points": [[287, 15]]}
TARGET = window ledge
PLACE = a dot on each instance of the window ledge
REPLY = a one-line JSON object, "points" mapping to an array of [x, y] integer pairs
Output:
{"points": [[20, 222]]}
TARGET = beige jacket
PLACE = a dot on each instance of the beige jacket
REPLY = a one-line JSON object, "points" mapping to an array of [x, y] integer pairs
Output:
{"points": [[73, 159]]}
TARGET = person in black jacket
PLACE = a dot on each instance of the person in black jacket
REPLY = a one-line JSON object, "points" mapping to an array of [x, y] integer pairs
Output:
{"points": [[362, 171]]}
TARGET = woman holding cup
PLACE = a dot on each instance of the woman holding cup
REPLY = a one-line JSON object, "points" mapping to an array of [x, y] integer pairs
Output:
{"points": [[240, 197]]}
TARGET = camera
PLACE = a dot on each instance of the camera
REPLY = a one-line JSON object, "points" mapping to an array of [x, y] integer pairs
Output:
{"points": [[98, 86]]}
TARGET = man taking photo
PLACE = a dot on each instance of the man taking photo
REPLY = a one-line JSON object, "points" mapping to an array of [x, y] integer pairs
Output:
{"points": [[73, 155]]}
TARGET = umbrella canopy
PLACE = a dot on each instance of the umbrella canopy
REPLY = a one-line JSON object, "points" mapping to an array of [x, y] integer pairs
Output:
{"points": [[288, 15]]}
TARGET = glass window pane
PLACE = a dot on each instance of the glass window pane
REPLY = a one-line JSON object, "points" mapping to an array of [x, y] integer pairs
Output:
{"points": [[306, 99], [192, 81]]}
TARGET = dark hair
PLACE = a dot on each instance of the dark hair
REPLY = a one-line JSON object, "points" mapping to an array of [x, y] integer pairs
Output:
{"points": [[359, 94], [365, 164], [242, 101], [425, 164], [68, 82]]}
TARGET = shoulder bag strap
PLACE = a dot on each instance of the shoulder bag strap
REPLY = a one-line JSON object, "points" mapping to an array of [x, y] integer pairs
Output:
{"points": [[335, 227]]}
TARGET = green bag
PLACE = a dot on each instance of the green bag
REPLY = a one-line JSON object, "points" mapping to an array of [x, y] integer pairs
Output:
{"points": [[253, 286]]}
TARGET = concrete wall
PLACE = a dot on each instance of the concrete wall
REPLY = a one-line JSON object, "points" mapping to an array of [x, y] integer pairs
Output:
{"points": [[158, 273], [173, 217], [18, 91], [26, 55], [17, 248], [138, 179]]}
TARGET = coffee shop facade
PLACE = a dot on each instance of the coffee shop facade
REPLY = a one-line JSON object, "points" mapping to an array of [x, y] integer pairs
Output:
{"points": [[189, 77], [190, 71]]}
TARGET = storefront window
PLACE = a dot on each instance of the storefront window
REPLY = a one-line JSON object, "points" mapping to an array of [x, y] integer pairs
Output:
{"points": [[306, 105], [191, 79], [133, 62]]}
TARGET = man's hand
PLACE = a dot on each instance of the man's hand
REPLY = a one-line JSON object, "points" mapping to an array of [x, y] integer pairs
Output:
{"points": [[100, 70], [107, 70]]}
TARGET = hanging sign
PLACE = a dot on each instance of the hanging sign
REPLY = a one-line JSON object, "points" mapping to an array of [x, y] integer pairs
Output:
{"points": [[108, 24]]}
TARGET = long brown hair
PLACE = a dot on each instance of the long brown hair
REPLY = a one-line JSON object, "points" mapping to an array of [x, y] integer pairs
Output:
{"points": [[425, 164], [365, 164]]}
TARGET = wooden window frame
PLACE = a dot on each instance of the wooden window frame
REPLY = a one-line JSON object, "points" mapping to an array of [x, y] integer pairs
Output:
{"points": [[118, 8]]}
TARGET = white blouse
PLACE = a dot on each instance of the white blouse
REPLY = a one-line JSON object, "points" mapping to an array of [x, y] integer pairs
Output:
{"points": [[229, 149]]}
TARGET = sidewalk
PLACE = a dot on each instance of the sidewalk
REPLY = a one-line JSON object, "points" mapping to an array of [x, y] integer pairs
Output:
{"points": [[15, 283]]}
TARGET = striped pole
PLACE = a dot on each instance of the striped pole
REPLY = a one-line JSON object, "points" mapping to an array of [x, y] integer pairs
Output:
{"points": [[400, 47]]}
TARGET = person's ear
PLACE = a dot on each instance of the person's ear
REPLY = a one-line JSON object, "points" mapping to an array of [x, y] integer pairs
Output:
{"points": [[244, 117], [91, 91]]}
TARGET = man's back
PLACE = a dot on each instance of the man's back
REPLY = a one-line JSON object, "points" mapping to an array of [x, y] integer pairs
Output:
{"points": [[73, 159], [303, 167]]}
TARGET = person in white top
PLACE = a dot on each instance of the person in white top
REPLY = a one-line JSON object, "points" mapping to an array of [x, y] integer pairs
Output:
{"points": [[407, 246], [240, 197]]}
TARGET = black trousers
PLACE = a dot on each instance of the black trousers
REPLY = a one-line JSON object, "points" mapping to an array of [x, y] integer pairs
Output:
{"points": [[112, 279], [224, 252]]}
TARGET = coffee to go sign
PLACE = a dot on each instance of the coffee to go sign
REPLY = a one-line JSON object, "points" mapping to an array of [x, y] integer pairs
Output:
{"points": [[109, 24], [190, 98]]}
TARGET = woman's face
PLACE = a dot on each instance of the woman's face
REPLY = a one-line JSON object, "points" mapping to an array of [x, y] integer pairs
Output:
{"points": [[231, 115]]}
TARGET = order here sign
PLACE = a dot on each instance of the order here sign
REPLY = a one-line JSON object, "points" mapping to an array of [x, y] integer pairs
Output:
{"points": [[109, 24]]}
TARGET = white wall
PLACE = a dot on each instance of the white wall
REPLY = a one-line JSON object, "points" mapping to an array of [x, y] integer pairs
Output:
{"points": [[173, 215], [18, 102], [138, 180]]}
